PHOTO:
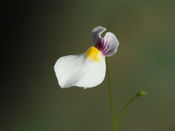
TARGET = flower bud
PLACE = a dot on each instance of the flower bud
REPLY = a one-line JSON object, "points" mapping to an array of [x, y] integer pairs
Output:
{"points": [[141, 93]]}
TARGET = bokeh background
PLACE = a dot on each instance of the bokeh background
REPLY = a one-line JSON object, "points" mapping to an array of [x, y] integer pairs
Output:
{"points": [[37, 33]]}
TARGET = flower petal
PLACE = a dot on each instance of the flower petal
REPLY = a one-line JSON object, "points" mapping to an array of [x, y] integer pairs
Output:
{"points": [[112, 44], [96, 33], [77, 70]]}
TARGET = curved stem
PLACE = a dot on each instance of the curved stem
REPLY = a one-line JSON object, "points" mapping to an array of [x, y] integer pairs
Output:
{"points": [[110, 96], [141, 93]]}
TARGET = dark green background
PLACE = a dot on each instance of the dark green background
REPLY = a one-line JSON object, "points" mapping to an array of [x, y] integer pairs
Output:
{"points": [[37, 33]]}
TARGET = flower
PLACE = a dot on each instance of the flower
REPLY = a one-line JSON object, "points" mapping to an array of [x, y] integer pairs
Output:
{"points": [[88, 69]]}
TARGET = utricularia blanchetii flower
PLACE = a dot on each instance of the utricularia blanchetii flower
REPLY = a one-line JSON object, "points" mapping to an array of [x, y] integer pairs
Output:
{"points": [[88, 69]]}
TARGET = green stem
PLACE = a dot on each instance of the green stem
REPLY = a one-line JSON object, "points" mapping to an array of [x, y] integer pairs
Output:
{"points": [[141, 93], [110, 96]]}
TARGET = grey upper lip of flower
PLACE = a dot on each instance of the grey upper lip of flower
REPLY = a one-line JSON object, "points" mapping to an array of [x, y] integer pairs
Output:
{"points": [[107, 45]]}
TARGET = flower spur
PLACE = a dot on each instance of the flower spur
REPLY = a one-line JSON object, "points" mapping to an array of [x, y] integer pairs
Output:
{"points": [[88, 69]]}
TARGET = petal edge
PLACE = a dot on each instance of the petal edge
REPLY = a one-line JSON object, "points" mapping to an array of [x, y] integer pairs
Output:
{"points": [[96, 33]]}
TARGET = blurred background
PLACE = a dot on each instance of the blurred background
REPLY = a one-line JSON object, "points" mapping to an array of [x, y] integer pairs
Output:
{"points": [[36, 33]]}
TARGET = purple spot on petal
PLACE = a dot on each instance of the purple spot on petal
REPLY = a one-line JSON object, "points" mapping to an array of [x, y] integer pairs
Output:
{"points": [[99, 44], [102, 45]]}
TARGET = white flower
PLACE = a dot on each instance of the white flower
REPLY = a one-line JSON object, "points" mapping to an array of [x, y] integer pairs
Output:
{"points": [[88, 69]]}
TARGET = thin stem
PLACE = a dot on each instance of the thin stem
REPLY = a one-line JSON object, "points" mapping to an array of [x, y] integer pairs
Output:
{"points": [[110, 96], [141, 93]]}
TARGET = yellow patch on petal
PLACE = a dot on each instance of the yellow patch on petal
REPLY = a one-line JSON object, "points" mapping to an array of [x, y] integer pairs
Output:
{"points": [[94, 53]]}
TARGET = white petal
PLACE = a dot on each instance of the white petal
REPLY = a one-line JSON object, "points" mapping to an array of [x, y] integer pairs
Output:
{"points": [[112, 44], [96, 33], [76, 70]]}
